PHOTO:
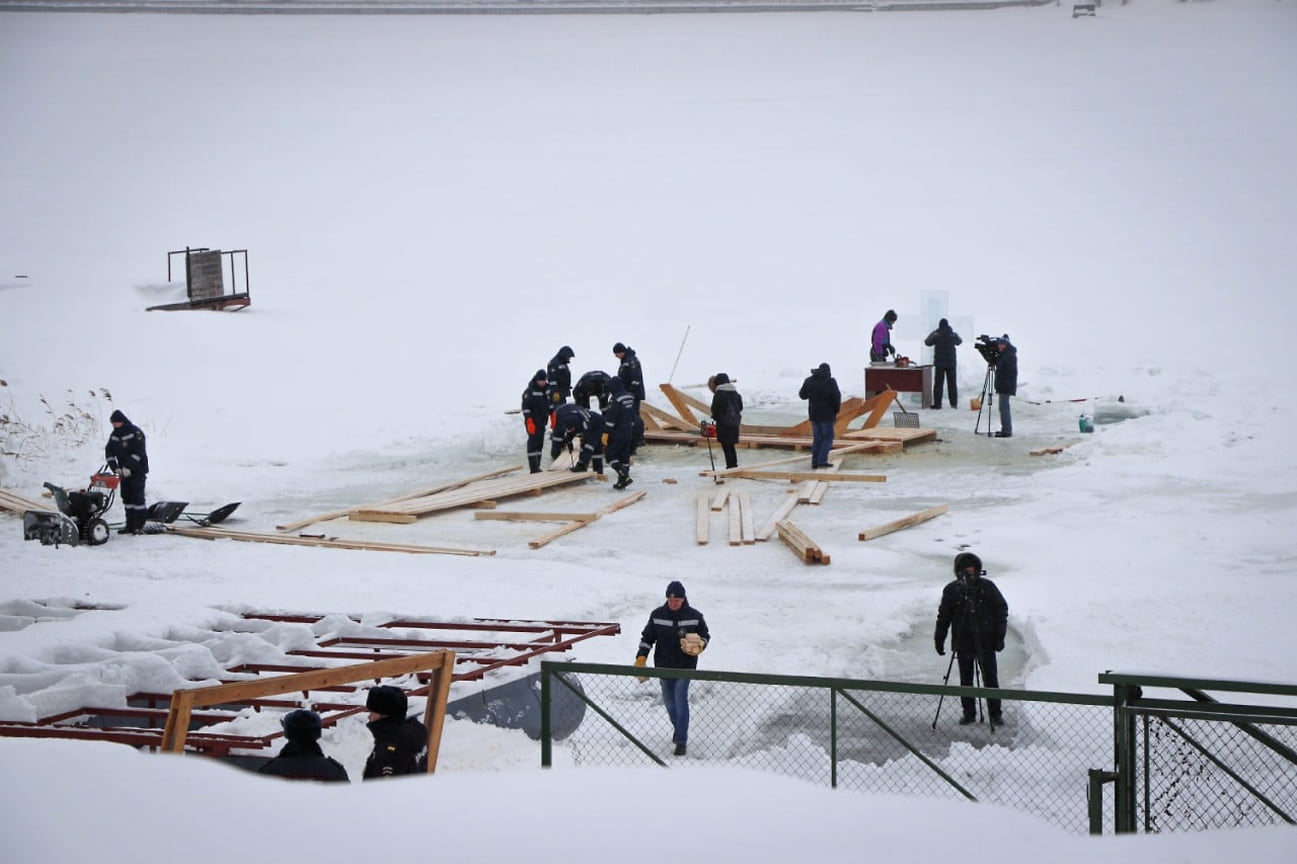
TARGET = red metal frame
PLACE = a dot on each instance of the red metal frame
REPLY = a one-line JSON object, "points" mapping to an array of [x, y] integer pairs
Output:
{"points": [[513, 647]]}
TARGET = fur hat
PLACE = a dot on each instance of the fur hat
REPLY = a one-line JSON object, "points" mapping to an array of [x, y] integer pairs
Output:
{"points": [[387, 700], [302, 725], [676, 589], [967, 559]]}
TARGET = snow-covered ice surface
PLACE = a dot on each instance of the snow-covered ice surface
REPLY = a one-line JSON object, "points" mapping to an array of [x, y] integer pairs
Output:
{"points": [[433, 205]]}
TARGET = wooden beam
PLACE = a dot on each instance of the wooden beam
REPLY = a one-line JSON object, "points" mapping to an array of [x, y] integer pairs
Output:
{"points": [[837, 452], [665, 420], [573, 526], [419, 493], [735, 517], [219, 533], [489, 490], [718, 503], [20, 505], [185, 700], [897, 525], [518, 516], [681, 404], [702, 521], [768, 529], [799, 476], [749, 531], [804, 547]]}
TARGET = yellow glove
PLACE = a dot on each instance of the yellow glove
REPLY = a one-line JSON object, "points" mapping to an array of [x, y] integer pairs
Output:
{"points": [[640, 662], [692, 644], [605, 439]]}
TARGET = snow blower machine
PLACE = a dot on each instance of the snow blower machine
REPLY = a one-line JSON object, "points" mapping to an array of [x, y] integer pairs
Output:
{"points": [[80, 516]]}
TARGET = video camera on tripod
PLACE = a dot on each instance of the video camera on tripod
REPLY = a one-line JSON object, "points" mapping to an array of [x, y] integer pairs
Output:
{"points": [[988, 347]]}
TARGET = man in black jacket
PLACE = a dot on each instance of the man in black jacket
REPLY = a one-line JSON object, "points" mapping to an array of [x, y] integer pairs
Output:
{"points": [[824, 400], [560, 376], [400, 742], [676, 633], [591, 385], [572, 422], [942, 341], [127, 456], [1006, 383], [632, 376], [301, 757], [536, 406], [975, 612], [619, 421]]}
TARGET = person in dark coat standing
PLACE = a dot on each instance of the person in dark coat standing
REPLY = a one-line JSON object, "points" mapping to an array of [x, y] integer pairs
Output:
{"points": [[632, 375], [400, 742], [824, 400], [572, 422], [592, 385], [942, 341], [975, 613], [727, 413], [1006, 383], [880, 340], [301, 757], [128, 457], [619, 421], [676, 633], [560, 376], [536, 405]]}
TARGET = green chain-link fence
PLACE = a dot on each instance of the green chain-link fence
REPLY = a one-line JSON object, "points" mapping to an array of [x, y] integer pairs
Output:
{"points": [[1052, 757]]}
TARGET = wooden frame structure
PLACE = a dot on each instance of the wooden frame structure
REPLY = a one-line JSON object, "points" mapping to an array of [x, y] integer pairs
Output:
{"points": [[439, 663], [205, 280]]}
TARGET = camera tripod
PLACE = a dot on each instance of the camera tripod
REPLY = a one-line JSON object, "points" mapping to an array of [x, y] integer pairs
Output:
{"points": [[988, 396]]}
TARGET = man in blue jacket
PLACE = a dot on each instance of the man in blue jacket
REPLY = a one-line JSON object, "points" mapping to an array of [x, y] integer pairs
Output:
{"points": [[824, 400], [1006, 383], [676, 633]]}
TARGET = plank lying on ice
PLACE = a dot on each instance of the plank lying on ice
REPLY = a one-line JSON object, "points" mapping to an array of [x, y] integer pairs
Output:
{"points": [[442, 487], [802, 545], [768, 529], [573, 526], [702, 522], [801, 476], [898, 524], [488, 490], [327, 542]]}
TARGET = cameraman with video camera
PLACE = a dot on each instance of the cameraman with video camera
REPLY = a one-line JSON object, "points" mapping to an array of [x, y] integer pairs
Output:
{"points": [[977, 616], [1006, 382]]}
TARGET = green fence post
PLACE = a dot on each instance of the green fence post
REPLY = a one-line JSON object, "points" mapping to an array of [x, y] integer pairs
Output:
{"points": [[1094, 796], [1124, 695], [546, 745]]}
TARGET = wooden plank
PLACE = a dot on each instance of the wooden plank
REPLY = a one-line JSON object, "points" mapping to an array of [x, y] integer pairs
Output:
{"points": [[681, 404], [768, 529], [837, 452], [877, 407], [718, 503], [183, 701], [898, 524], [749, 531], [808, 489], [18, 504], [409, 511], [664, 420], [702, 521], [217, 533], [442, 487], [518, 516], [736, 528], [888, 433], [799, 476], [818, 493], [802, 545], [573, 526]]}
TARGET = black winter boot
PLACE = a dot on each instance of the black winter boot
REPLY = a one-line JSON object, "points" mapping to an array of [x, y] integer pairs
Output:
{"points": [[533, 462], [598, 465]]}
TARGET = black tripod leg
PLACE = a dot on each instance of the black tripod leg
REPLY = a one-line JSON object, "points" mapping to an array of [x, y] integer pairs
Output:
{"points": [[944, 681]]}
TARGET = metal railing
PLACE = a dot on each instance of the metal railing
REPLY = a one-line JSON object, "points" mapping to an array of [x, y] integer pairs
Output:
{"points": [[1053, 757]]}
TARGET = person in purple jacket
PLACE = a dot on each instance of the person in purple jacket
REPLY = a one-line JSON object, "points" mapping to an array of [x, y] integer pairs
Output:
{"points": [[880, 343]]}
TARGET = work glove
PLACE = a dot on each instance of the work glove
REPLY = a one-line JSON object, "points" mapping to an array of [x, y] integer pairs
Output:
{"points": [[941, 647], [124, 472], [641, 662], [605, 440], [553, 420], [531, 426], [556, 397], [692, 644]]}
